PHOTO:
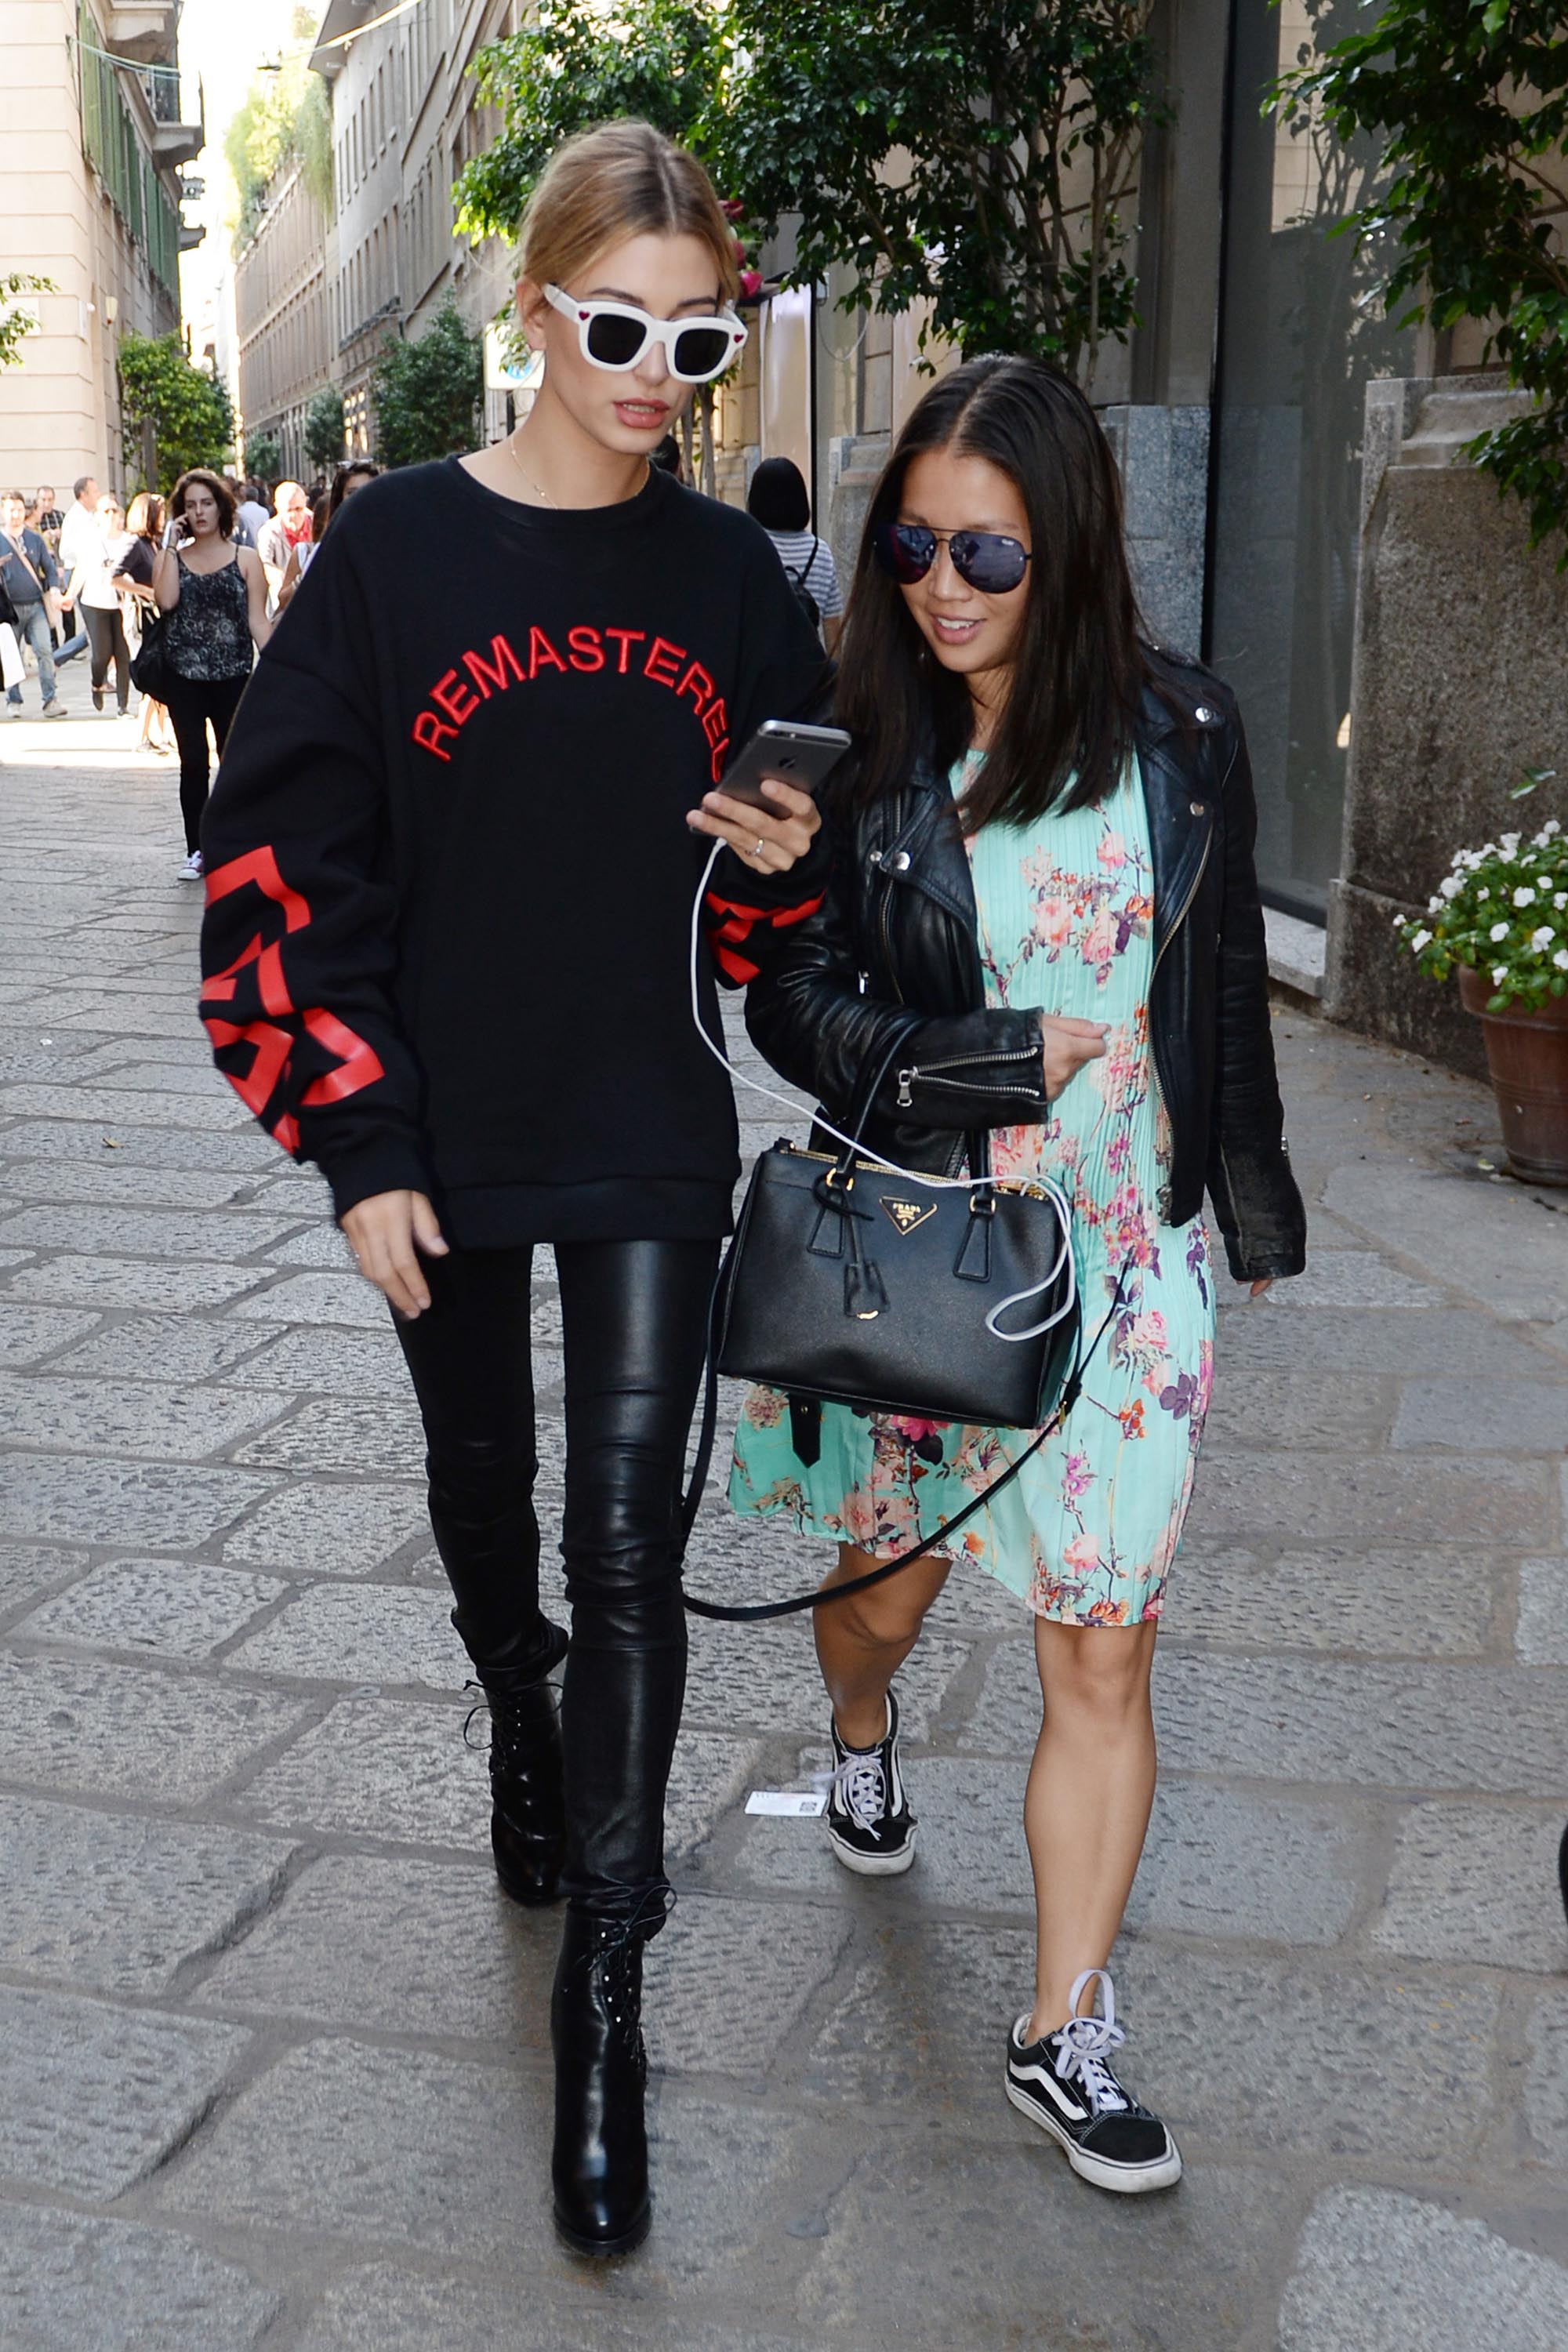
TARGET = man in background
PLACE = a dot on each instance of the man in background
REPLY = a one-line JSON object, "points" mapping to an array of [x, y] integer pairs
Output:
{"points": [[78, 534], [253, 510], [289, 528], [27, 579]]}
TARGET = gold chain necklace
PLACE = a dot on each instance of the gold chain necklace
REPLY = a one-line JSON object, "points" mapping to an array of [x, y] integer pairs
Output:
{"points": [[541, 493]]}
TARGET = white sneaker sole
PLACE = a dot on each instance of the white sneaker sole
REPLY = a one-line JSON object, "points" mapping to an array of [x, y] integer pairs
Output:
{"points": [[873, 1865], [1125, 2180]]}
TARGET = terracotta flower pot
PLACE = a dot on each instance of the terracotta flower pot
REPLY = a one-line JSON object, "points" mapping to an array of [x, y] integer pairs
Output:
{"points": [[1527, 1056]]}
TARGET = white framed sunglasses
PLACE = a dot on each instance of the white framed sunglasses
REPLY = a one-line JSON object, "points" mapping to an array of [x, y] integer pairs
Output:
{"points": [[614, 335]]}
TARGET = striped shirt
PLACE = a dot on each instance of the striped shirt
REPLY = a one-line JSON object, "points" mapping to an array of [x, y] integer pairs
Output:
{"points": [[818, 575]]}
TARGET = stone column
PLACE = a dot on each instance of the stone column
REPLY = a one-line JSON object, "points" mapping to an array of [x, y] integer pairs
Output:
{"points": [[1459, 684]]}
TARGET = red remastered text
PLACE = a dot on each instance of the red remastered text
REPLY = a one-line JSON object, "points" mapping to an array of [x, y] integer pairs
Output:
{"points": [[623, 653]]}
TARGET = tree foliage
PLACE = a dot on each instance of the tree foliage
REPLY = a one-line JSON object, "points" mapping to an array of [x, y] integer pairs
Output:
{"points": [[427, 393], [977, 155], [324, 428], [286, 117], [658, 60], [16, 323], [1472, 99], [264, 456], [187, 410]]}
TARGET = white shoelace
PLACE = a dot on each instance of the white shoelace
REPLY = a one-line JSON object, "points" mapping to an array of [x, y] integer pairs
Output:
{"points": [[1084, 2044], [860, 1784]]}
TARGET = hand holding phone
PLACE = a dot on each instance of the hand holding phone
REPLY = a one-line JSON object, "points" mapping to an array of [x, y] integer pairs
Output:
{"points": [[762, 807]]}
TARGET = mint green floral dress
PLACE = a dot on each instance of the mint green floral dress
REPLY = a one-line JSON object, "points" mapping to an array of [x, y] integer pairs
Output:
{"points": [[1088, 1532]]}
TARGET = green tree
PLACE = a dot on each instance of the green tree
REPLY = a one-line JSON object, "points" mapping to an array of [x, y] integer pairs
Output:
{"points": [[427, 393], [286, 117], [1471, 98], [186, 410], [263, 456], [324, 428], [16, 323]]}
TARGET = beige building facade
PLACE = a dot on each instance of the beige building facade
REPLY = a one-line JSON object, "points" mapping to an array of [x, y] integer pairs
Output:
{"points": [[89, 195]]}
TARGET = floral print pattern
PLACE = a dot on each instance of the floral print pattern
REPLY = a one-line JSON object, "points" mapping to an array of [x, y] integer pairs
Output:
{"points": [[1087, 1533]]}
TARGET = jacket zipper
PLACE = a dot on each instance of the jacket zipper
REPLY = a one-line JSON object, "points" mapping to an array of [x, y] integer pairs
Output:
{"points": [[1187, 902], [965, 1086]]}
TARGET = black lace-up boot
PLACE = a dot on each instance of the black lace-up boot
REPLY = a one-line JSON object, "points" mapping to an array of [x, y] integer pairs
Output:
{"points": [[599, 2167], [527, 1805]]}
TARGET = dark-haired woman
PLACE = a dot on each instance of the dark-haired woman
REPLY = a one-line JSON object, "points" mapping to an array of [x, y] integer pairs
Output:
{"points": [[777, 499], [345, 481], [452, 868], [1044, 899], [216, 593]]}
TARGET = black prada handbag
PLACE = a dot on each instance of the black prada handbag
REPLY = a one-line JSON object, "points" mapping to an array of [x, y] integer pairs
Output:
{"points": [[150, 670], [851, 1283]]}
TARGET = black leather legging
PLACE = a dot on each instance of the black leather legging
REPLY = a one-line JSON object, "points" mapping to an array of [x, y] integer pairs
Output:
{"points": [[635, 1320], [106, 639]]}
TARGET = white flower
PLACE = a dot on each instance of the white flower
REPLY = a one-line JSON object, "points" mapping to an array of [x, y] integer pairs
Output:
{"points": [[1482, 894], [1500, 974], [1498, 931], [1541, 940], [1450, 886], [1549, 831], [1525, 897], [1419, 940], [1559, 900], [1561, 959], [1509, 843]]}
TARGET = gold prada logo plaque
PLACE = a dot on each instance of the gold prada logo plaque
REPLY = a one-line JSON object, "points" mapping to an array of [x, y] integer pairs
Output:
{"points": [[907, 1214]]}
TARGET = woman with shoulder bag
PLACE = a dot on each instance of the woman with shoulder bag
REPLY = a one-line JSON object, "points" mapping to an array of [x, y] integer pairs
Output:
{"points": [[216, 593], [133, 577], [1043, 917], [452, 871]]}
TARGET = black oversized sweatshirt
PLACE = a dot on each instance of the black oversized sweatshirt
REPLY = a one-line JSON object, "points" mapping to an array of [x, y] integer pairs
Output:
{"points": [[448, 879]]}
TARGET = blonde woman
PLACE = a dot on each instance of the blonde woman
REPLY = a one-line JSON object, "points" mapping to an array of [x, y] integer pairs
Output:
{"points": [[132, 576], [451, 862]]}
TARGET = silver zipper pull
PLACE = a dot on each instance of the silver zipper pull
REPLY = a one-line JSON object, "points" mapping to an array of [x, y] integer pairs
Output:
{"points": [[906, 1078]]}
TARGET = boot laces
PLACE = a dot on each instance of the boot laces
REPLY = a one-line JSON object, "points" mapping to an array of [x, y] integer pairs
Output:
{"points": [[1085, 2043]]}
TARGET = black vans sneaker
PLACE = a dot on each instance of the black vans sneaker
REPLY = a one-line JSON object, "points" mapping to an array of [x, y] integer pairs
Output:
{"points": [[1064, 2084], [869, 1823]]}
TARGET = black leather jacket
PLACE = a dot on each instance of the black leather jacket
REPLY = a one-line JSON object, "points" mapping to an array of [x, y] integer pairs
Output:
{"points": [[890, 965]]}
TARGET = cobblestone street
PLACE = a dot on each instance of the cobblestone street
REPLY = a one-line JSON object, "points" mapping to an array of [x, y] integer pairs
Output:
{"points": [[275, 2061]]}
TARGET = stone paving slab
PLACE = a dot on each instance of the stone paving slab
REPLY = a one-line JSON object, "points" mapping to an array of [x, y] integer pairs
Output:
{"points": [[149, 1419], [314, 1528], [129, 1731], [96, 2095], [69, 2281], [1542, 1636], [1381, 2272], [159, 1348], [183, 1287], [1477, 1882], [342, 1434], [27, 1572], [215, 1234], [165, 1608], [384, 2309], [358, 1634], [28, 1333], [70, 1499], [75, 1138], [317, 1298], [1418, 1600], [110, 1903]]}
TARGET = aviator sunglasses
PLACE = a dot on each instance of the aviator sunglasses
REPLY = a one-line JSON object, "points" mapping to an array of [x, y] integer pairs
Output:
{"points": [[614, 335], [984, 558]]}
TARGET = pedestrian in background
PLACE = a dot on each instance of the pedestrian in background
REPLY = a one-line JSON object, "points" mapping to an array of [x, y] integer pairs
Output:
{"points": [[217, 594], [349, 478], [78, 530], [299, 554], [243, 532], [1066, 953], [252, 510], [29, 579], [777, 498], [44, 516], [289, 527], [370, 789], [144, 520], [92, 591]]}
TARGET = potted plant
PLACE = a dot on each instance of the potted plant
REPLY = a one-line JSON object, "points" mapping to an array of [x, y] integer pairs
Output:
{"points": [[1500, 918]]}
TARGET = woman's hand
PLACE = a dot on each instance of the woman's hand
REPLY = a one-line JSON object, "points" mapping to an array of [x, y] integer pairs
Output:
{"points": [[768, 844], [1066, 1044], [387, 1235]]}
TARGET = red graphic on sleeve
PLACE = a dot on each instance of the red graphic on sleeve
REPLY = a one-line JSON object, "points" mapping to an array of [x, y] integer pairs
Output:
{"points": [[731, 925], [256, 1054], [452, 701]]}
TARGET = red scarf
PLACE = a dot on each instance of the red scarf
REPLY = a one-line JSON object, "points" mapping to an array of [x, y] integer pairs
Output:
{"points": [[298, 536]]}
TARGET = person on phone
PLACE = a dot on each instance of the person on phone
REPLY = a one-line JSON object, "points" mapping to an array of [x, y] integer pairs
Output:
{"points": [[452, 857], [1044, 896], [216, 593]]}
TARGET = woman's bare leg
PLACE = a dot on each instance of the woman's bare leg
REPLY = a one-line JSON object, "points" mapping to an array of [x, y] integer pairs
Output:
{"points": [[861, 1643], [1086, 1808]]}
